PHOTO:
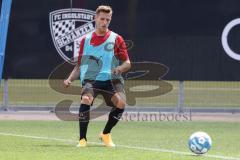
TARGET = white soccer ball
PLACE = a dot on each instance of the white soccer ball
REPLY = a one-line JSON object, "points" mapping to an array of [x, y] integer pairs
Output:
{"points": [[199, 142]]}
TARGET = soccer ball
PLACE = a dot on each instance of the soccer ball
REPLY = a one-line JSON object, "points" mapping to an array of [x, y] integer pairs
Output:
{"points": [[199, 142]]}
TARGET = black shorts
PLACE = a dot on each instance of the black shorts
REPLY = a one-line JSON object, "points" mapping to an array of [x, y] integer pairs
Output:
{"points": [[105, 88]]}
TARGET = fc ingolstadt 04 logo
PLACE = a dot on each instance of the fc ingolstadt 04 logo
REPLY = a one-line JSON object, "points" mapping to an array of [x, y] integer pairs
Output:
{"points": [[68, 26]]}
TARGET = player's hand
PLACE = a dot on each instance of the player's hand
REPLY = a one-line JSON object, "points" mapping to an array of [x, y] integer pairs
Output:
{"points": [[117, 71], [67, 83]]}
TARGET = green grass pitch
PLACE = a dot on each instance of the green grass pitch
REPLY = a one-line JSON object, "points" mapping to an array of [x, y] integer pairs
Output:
{"points": [[56, 140]]}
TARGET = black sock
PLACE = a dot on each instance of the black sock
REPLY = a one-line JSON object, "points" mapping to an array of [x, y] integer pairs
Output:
{"points": [[84, 116], [113, 118]]}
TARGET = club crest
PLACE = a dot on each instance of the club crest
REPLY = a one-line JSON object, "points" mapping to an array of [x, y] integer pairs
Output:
{"points": [[68, 27]]}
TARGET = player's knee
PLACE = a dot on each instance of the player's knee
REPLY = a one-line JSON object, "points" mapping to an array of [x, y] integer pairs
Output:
{"points": [[119, 101], [86, 99], [120, 104]]}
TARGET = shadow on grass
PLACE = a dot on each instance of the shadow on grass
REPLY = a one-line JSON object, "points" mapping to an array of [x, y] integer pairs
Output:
{"points": [[70, 146], [195, 155]]}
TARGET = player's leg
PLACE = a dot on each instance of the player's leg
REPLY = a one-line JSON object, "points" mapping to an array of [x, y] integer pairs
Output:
{"points": [[84, 112], [118, 102]]}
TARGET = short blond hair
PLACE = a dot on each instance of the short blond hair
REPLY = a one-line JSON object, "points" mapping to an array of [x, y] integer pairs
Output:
{"points": [[105, 9]]}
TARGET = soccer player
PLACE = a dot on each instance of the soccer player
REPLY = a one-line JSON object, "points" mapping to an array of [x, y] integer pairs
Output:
{"points": [[103, 57]]}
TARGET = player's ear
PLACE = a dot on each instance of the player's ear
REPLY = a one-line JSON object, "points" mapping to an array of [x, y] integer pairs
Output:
{"points": [[95, 17]]}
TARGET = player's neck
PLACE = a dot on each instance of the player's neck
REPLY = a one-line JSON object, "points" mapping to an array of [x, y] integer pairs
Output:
{"points": [[101, 33]]}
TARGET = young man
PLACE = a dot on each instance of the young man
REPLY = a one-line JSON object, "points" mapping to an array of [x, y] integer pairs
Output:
{"points": [[102, 58]]}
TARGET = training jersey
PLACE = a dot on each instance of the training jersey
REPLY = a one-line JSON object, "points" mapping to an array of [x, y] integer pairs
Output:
{"points": [[98, 55]]}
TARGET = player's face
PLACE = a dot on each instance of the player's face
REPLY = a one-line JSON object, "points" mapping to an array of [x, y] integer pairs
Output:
{"points": [[102, 21]]}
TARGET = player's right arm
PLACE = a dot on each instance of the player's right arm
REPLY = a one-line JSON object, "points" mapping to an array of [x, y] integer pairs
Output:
{"points": [[74, 75], [76, 70]]}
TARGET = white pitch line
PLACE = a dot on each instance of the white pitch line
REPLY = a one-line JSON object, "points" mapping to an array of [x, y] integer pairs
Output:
{"points": [[36, 137], [122, 146]]}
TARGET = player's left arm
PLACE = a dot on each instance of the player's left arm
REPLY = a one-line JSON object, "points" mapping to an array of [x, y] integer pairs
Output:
{"points": [[124, 67], [121, 53]]}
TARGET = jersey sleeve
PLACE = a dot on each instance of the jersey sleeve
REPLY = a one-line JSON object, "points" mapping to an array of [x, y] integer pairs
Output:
{"points": [[120, 49], [81, 50]]}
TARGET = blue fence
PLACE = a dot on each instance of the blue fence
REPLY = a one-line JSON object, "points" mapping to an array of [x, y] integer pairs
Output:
{"points": [[4, 21]]}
